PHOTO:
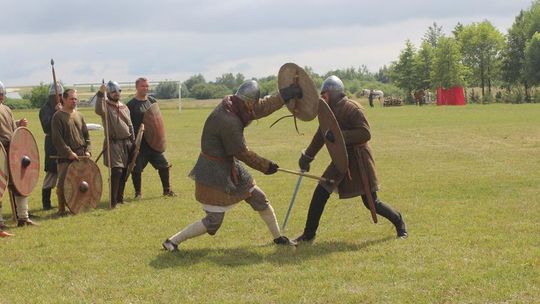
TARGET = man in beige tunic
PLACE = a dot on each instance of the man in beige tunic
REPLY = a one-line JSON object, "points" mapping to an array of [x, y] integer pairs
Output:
{"points": [[220, 179], [7, 126], [70, 139], [121, 137], [356, 132]]}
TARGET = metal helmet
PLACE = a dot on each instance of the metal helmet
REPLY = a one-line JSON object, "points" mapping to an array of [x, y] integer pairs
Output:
{"points": [[333, 84], [59, 87], [249, 91], [2, 88], [113, 86]]}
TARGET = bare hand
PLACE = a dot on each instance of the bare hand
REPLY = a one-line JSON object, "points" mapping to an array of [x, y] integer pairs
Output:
{"points": [[87, 154], [73, 156], [23, 122], [58, 106], [103, 88]]}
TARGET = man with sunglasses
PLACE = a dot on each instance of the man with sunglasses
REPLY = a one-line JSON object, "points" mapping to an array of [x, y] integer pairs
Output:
{"points": [[121, 137], [221, 181], [356, 133]]}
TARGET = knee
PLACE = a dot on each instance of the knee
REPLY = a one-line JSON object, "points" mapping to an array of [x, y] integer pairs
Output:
{"points": [[212, 222]]}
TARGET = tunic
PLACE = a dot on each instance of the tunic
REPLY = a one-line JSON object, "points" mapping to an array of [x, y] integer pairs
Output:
{"points": [[69, 134]]}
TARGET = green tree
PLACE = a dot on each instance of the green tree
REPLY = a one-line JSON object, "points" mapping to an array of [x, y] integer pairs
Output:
{"points": [[532, 60], [482, 45], [423, 62], [228, 80], [448, 71], [39, 95], [513, 59], [404, 71], [433, 34], [192, 81]]}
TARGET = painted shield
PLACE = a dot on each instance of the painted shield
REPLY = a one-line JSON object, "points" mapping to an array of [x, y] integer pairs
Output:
{"points": [[4, 171], [305, 108], [337, 149], [83, 185], [135, 152], [23, 158], [154, 133]]}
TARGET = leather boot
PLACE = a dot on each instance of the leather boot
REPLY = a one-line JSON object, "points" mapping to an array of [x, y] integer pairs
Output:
{"points": [[46, 198], [136, 178], [389, 213], [121, 186], [164, 176], [316, 208]]}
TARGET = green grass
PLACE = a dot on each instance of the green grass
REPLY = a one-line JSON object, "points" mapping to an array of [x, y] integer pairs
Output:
{"points": [[465, 178]]}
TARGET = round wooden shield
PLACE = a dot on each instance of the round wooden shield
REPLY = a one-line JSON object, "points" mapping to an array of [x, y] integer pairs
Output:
{"points": [[83, 185], [305, 108], [337, 149], [4, 171], [154, 133], [135, 153], [23, 158]]}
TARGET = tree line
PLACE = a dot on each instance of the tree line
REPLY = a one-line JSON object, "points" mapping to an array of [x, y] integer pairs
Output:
{"points": [[476, 55]]}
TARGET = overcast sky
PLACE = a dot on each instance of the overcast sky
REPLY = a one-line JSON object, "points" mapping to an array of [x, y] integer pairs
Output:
{"points": [[174, 39]]}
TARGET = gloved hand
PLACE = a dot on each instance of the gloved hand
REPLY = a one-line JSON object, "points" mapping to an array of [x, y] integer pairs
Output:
{"points": [[290, 92], [329, 136], [272, 168], [304, 161]]}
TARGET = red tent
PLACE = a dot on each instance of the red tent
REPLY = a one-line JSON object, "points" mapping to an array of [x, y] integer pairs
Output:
{"points": [[452, 96]]}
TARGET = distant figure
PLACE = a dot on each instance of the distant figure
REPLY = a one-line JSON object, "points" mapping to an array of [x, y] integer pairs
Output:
{"points": [[370, 98]]}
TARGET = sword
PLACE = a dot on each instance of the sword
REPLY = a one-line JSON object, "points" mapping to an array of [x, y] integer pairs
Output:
{"points": [[302, 173], [292, 202]]}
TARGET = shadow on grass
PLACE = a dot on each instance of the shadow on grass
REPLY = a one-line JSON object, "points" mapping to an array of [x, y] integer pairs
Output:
{"points": [[242, 256]]}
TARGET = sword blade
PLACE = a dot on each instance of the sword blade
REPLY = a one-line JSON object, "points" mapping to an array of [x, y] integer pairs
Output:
{"points": [[291, 204]]}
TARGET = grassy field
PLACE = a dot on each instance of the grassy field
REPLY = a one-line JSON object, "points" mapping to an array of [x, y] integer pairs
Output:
{"points": [[465, 178]]}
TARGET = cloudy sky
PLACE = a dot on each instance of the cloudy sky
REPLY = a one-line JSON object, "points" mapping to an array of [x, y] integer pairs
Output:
{"points": [[174, 39]]}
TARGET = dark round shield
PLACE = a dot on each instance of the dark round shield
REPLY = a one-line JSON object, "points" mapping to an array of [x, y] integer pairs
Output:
{"points": [[83, 185], [337, 149], [305, 108], [154, 133], [4, 171], [23, 158], [135, 152]]}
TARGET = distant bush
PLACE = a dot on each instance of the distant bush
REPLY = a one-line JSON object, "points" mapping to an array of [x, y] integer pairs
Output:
{"points": [[209, 91], [39, 95], [167, 90], [18, 103]]}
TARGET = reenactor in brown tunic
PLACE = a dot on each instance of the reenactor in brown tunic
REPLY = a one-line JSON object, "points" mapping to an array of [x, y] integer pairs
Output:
{"points": [[7, 126], [70, 139], [121, 137], [356, 132], [221, 181]]}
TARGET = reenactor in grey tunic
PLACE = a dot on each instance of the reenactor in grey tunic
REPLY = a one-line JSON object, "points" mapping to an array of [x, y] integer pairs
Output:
{"points": [[70, 139], [121, 137], [45, 117], [221, 181], [356, 132], [7, 126]]}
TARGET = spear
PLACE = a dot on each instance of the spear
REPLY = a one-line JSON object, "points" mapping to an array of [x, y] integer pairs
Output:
{"points": [[55, 85]]}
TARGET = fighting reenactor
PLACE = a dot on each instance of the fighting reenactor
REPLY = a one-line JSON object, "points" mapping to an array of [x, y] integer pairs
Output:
{"points": [[361, 179], [70, 139], [46, 113], [221, 181], [121, 137], [138, 106]]}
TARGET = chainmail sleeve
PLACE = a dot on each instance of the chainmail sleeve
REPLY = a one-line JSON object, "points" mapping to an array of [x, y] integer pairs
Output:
{"points": [[253, 160]]}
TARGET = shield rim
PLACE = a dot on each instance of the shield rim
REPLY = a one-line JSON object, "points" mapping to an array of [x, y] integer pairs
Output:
{"points": [[309, 91], [4, 153], [337, 149], [95, 204], [23, 191], [162, 145]]}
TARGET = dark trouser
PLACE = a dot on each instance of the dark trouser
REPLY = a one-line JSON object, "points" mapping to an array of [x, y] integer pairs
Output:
{"points": [[383, 209], [157, 160], [118, 182], [46, 198], [319, 199]]}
